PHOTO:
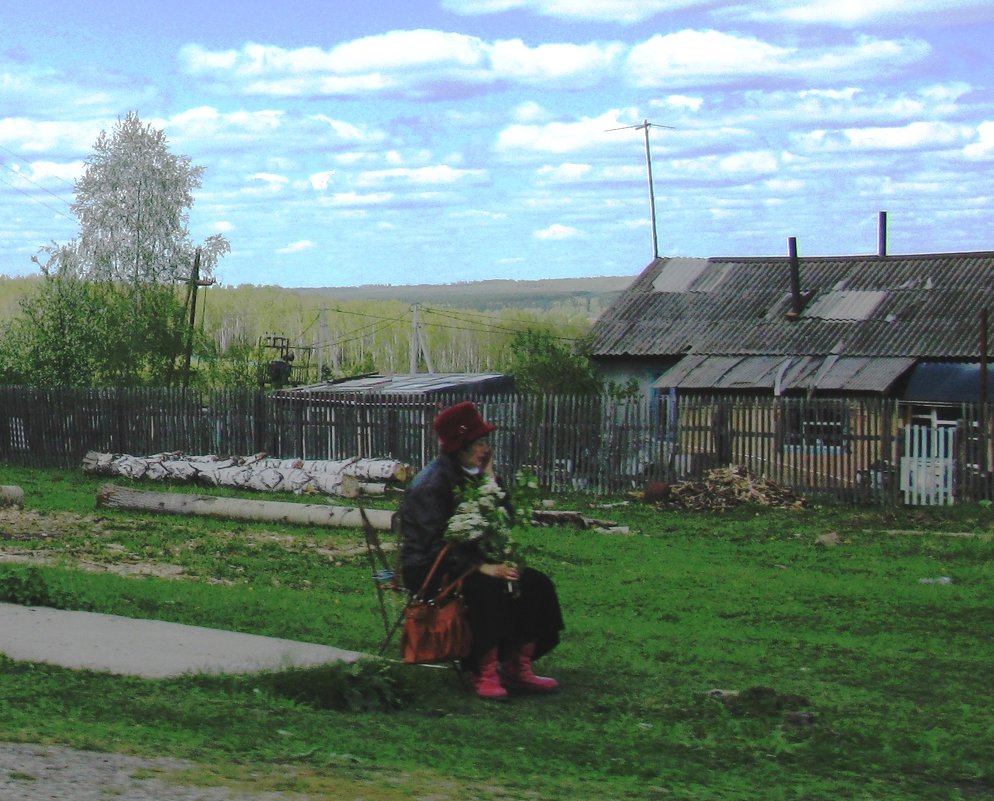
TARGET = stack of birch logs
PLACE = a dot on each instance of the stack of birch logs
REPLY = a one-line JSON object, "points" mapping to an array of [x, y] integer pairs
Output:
{"points": [[346, 478]]}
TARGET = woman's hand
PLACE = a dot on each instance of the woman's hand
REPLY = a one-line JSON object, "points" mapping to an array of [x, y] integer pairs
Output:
{"points": [[487, 464], [499, 571]]}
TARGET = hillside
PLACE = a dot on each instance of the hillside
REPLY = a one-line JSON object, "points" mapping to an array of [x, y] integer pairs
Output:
{"points": [[592, 293]]}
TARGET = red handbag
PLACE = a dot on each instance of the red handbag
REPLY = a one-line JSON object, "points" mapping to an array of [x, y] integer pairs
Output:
{"points": [[436, 630]]}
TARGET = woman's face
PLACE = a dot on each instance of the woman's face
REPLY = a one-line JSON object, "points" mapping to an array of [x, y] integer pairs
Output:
{"points": [[475, 455]]}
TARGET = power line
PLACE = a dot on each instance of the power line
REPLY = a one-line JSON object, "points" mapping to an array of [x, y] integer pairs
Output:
{"points": [[356, 338], [358, 314], [30, 180], [33, 199], [383, 322], [489, 329], [17, 155]]}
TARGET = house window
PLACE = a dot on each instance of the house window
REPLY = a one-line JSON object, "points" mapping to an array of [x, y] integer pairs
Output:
{"points": [[818, 428]]}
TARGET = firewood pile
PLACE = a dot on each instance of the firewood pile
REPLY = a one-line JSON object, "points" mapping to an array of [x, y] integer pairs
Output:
{"points": [[347, 478], [724, 488]]}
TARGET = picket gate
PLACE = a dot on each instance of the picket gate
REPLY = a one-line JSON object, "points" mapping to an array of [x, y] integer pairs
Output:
{"points": [[927, 465]]}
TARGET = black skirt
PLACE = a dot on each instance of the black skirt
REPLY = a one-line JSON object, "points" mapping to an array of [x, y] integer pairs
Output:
{"points": [[504, 619]]}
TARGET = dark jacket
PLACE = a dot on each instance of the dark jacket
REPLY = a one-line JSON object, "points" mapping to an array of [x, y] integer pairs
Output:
{"points": [[429, 502]]}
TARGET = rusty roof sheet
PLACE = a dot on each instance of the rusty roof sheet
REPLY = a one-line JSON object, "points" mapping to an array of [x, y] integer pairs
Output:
{"points": [[923, 306]]}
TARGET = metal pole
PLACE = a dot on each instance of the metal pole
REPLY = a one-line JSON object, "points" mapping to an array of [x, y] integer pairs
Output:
{"points": [[652, 195], [982, 422]]}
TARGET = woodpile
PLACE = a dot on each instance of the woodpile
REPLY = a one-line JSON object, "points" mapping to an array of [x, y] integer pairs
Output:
{"points": [[347, 478], [725, 488]]}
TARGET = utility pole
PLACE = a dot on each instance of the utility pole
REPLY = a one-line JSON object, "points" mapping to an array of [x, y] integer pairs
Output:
{"points": [[644, 127], [323, 334], [419, 344], [191, 297]]}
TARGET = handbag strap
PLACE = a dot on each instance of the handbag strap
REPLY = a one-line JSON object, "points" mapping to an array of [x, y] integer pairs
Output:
{"points": [[431, 574]]}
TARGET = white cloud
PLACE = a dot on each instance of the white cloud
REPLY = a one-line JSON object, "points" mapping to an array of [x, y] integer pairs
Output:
{"points": [[682, 102], [207, 122], [564, 173], [556, 232], [439, 174], [628, 172], [564, 137], [401, 61], [321, 180], [983, 148], [701, 54], [297, 247], [782, 185], [349, 132], [478, 214], [624, 11], [749, 162], [861, 12], [914, 136], [32, 136], [514, 60], [269, 178], [357, 199], [733, 167], [404, 50], [529, 111], [59, 172], [222, 226], [710, 56]]}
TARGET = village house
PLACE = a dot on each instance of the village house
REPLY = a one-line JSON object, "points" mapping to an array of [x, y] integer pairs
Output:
{"points": [[908, 329]]}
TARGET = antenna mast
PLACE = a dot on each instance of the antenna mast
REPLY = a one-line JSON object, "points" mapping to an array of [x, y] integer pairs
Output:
{"points": [[644, 127]]}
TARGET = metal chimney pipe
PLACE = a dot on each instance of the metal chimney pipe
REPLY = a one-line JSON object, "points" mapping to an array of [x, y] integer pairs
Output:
{"points": [[882, 234], [795, 279]]}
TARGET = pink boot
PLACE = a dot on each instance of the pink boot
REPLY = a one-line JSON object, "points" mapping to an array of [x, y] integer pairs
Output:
{"points": [[518, 675], [487, 681]]}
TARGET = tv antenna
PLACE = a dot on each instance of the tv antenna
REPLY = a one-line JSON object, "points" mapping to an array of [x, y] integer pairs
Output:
{"points": [[644, 127]]}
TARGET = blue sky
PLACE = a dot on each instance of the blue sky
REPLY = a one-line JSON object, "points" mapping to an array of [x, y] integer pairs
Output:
{"points": [[458, 140]]}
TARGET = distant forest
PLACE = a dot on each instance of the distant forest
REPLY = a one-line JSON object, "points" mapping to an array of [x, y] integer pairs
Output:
{"points": [[585, 295], [336, 331]]}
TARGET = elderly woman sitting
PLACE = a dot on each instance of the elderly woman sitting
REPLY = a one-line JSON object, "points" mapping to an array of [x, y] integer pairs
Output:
{"points": [[514, 612]]}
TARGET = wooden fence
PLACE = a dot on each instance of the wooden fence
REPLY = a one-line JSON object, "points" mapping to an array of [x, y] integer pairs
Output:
{"points": [[849, 448]]}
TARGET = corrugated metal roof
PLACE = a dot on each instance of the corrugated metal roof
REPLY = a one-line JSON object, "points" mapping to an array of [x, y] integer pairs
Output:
{"points": [[677, 275], [845, 304], [779, 374], [924, 306]]}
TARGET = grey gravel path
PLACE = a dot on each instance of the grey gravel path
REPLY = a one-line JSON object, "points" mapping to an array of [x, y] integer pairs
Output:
{"points": [[150, 648], [55, 773]]}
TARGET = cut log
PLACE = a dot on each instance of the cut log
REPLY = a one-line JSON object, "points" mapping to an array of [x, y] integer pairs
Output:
{"points": [[113, 496], [550, 517]]}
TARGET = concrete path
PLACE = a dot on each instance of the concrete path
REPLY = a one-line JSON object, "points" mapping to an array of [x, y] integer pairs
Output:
{"points": [[149, 648]]}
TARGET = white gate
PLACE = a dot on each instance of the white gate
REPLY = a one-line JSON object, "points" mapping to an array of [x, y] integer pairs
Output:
{"points": [[927, 465]]}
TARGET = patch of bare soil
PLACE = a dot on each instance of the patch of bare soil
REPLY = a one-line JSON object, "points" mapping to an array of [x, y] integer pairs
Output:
{"points": [[21, 527]]}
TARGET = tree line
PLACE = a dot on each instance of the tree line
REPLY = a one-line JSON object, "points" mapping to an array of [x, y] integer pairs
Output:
{"points": [[130, 302]]}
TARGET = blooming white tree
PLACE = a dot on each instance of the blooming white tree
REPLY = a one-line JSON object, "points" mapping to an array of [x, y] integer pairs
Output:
{"points": [[110, 310], [132, 203]]}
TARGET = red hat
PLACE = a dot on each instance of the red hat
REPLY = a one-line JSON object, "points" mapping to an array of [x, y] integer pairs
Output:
{"points": [[459, 425]]}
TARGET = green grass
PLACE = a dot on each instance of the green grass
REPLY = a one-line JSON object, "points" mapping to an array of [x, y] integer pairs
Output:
{"points": [[857, 681]]}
